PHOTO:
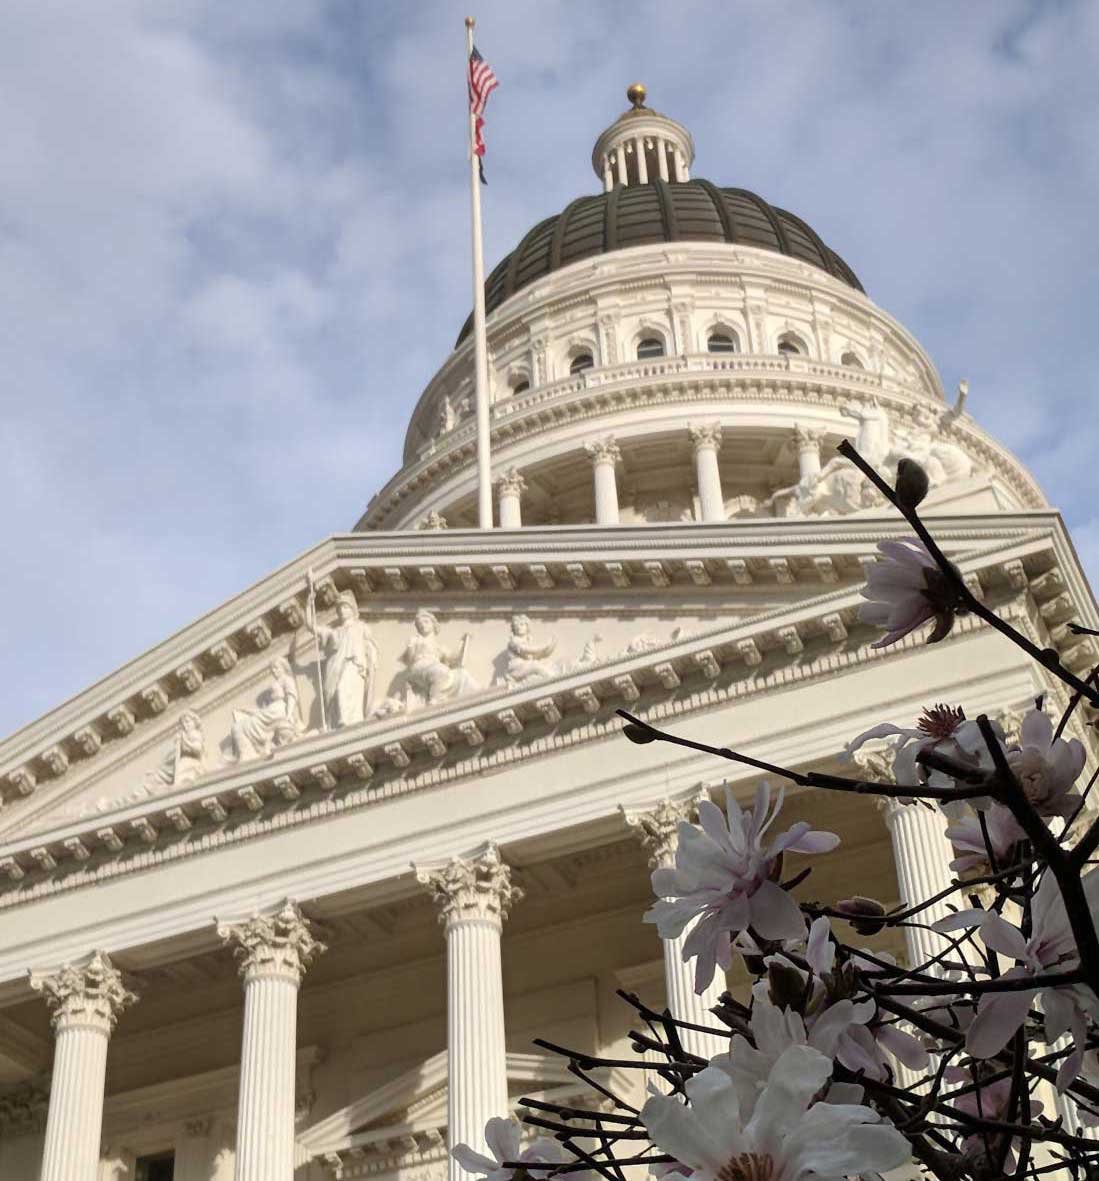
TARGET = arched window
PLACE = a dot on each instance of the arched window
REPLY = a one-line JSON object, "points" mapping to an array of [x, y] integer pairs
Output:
{"points": [[650, 346], [520, 385], [851, 360], [581, 362], [791, 345], [722, 342]]}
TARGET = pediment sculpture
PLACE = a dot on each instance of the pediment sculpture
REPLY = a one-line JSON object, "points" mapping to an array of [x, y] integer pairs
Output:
{"points": [[350, 659], [276, 721], [527, 658], [435, 673]]}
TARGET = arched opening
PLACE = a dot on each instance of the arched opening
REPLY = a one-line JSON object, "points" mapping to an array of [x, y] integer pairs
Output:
{"points": [[581, 362], [851, 360], [650, 346], [722, 341], [520, 385], [792, 345]]}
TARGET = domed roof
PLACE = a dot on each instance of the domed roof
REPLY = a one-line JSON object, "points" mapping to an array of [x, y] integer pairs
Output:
{"points": [[661, 211]]}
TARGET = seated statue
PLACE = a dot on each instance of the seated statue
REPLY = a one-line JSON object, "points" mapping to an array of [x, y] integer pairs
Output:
{"points": [[528, 660], [258, 733], [185, 758], [434, 673]]}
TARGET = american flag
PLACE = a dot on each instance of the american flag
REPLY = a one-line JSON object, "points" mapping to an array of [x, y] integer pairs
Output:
{"points": [[482, 82]]}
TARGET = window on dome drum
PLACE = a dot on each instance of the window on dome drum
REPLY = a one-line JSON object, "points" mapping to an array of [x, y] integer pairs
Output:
{"points": [[791, 346], [580, 363], [161, 1167], [721, 342], [651, 346], [851, 360], [521, 386]]}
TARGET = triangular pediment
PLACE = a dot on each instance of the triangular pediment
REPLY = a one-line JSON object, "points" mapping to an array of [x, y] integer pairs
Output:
{"points": [[209, 721]]}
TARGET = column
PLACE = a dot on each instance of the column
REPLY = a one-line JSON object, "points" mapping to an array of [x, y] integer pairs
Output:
{"points": [[662, 158], [604, 455], [608, 177], [86, 999], [511, 488], [807, 442], [680, 166], [658, 831], [706, 439], [620, 157], [642, 166], [474, 895], [274, 951]]}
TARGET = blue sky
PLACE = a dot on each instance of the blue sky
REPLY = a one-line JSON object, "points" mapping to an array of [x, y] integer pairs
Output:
{"points": [[234, 247]]}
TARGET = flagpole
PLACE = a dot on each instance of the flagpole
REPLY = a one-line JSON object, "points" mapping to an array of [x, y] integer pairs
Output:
{"points": [[480, 348]]}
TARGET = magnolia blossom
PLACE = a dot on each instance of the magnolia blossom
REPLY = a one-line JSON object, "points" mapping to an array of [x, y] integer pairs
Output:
{"points": [[785, 1137], [724, 876], [502, 1138], [1050, 948], [940, 728], [989, 1101], [906, 589], [1047, 768], [971, 847]]}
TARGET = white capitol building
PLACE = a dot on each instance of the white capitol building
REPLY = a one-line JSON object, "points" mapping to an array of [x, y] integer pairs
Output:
{"points": [[261, 886]]}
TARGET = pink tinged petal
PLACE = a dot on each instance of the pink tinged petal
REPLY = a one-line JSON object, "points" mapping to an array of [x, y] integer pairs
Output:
{"points": [[677, 1130], [712, 819], [881, 730], [775, 915], [874, 613], [473, 1162], [903, 1046], [1036, 730], [813, 842], [899, 633], [830, 1026], [999, 1015], [868, 1148], [819, 952], [671, 918], [998, 934], [960, 920]]}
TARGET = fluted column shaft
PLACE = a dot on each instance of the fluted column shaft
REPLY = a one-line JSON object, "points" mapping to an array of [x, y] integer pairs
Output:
{"points": [[274, 952], [807, 442], [604, 456], [921, 853], [706, 440], [642, 164], [662, 158], [511, 489], [474, 896], [657, 830], [86, 1000], [620, 155]]}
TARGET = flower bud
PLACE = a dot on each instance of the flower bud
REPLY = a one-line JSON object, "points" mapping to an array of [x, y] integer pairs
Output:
{"points": [[912, 483], [864, 914], [786, 986]]}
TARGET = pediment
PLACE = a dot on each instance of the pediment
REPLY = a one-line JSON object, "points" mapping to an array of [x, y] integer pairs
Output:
{"points": [[236, 697]]}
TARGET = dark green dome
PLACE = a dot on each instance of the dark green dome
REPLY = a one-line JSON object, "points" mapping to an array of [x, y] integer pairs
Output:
{"points": [[639, 215]]}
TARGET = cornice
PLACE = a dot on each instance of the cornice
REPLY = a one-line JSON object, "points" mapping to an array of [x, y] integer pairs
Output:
{"points": [[354, 768]]}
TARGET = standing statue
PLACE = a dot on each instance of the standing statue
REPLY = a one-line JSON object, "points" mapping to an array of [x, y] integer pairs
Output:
{"points": [[528, 660], [185, 759], [433, 673], [350, 661], [257, 733]]}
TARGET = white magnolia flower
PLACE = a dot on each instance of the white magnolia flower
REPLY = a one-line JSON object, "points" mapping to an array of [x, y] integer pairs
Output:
{"points": [[786, 1137], [1047, 768], [940, 728], [906, 589], [724, 877], [502, 1138], [968, 838], [1050, 948]]}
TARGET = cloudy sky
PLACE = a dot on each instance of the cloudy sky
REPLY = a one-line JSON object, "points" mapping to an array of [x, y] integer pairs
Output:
{"points": [[234, 247]]}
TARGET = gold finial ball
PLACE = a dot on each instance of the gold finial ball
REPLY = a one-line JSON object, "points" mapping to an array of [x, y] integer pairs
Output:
{"points": [[636, 94], [469, 22]]}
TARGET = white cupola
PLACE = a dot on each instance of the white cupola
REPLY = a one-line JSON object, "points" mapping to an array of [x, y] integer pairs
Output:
{"points": [[641, 146]]}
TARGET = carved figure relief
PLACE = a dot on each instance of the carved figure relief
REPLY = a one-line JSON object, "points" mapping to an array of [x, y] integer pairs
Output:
{"points": [[185, 759], [528, 660], [434, 673], [258, 733], [350, 661]]}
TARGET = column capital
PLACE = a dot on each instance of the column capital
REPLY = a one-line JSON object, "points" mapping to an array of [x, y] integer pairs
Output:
{"points": [[88, 994], [657, 828], [705, 435], [603, 451], [471, 887], [273, 945], [807, 437], [512, 483]]}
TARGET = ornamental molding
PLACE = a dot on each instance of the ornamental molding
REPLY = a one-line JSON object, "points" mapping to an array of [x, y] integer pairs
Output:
{"points": [[476, 888], [347, 770], [23, 1107], [278, 945], [87, 994], [657, 827]]}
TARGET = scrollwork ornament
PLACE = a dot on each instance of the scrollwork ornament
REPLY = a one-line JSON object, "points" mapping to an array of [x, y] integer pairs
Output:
{"points": [[472, 888], [89, 995], [275, 945]]}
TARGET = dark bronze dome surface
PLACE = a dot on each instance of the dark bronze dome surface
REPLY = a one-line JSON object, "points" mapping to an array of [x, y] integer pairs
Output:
{"points": [[639, 215]]}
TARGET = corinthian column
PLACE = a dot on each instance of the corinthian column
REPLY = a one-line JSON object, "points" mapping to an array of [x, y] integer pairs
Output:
{"points": [[474, 896], [658, 831], [604, 455], [274, 951], [706, 439], [807, 442], [86, 999], [511, 487]]}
